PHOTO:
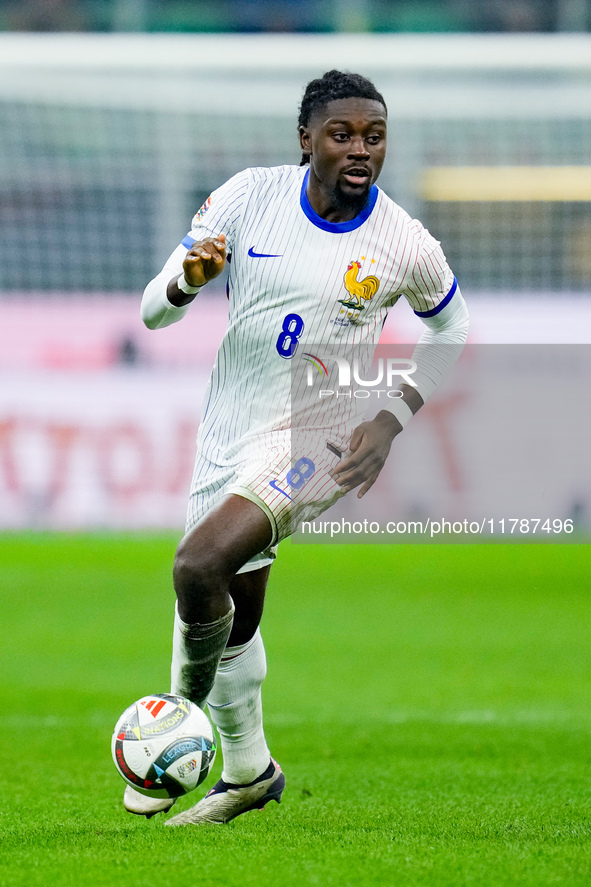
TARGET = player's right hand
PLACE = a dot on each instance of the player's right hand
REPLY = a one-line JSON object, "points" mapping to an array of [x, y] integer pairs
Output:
{"points": [[205, 260]]}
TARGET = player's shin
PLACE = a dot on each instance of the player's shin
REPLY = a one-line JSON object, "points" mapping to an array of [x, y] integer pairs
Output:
{"points": [[196, 652], [235, 708]]}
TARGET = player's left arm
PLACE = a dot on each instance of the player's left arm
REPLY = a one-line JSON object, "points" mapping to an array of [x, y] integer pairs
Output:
{"points": [[436, 352]]}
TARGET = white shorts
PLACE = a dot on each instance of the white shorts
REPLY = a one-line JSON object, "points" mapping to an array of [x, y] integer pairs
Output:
{"points": [[286, 474]]}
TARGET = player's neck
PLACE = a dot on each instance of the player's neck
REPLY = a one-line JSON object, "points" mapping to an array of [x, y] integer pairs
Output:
{"points": [[327, 204]]}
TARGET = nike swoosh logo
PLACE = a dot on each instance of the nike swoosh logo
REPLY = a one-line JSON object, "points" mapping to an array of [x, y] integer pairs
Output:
{"points": [[254, 255]]}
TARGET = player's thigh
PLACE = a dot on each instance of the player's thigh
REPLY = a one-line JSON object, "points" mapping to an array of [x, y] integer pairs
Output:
{"points": [[209, 487], [229, 535]]}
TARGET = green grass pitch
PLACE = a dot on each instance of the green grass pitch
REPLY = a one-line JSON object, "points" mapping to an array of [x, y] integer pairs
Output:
{"points": [[430, 706]]}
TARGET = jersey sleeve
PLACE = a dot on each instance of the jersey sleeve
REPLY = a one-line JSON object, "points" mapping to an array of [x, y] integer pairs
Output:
{"points": [[156, 311], [430, 284], [222, 212], [433, 293]]}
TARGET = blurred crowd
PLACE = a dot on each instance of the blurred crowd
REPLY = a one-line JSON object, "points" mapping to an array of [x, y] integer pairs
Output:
{"points": [[322, 16]]}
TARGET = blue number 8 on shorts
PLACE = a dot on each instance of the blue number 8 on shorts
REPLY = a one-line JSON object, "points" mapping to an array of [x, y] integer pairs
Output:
{"points": [[301, 472]]}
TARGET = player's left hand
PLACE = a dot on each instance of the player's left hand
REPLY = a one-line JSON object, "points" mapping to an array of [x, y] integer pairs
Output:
{"points": [[368, 451]]}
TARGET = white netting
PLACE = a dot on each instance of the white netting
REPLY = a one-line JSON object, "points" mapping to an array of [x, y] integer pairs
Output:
{"points": [[108, 145]]}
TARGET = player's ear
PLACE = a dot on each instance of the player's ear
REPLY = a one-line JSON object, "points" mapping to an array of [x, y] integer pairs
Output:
{"points": [[305, 140]]}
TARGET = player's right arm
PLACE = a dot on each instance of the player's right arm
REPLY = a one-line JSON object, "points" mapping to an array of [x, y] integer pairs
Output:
{"points": [[174, 288], [203, 262], [199, 258]]}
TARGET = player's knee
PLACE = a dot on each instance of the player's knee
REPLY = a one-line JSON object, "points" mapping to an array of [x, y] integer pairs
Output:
{"points": [[196, 570]]}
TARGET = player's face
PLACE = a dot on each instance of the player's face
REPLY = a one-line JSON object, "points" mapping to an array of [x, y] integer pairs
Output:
{"points": [[346, 141]]}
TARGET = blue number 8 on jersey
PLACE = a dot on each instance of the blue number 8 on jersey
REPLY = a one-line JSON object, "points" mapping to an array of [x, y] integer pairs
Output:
{"points": [[288, 341]]}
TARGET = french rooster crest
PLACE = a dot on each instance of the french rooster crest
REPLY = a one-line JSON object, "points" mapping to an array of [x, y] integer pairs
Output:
{"points": [[358, 289]]}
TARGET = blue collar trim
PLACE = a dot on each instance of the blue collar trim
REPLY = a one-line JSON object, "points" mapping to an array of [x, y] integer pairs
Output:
{"points": [[337, 227]]}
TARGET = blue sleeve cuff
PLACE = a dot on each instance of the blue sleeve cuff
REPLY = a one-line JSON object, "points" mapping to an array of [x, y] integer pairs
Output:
{"points": [[441, 305]]}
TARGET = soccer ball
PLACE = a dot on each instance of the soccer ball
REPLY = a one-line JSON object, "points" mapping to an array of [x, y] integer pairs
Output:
{"points": [[163, 746]]}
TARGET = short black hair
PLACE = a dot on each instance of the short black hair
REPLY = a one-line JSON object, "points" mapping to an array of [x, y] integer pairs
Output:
{"points": [[335, 85]]}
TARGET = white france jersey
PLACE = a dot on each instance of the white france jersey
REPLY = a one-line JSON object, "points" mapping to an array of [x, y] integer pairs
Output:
{"points": [[296, 279]]}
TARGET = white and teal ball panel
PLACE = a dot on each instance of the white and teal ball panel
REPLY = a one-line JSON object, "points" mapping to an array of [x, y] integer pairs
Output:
{"points": [[163, 746]]}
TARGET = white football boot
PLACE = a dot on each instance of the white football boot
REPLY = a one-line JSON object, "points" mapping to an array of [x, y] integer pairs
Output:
{"points": [[142, 805], [225, 801]]}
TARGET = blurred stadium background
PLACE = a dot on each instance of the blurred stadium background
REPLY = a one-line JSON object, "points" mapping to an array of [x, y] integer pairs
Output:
{"points": [[110, 141]]}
